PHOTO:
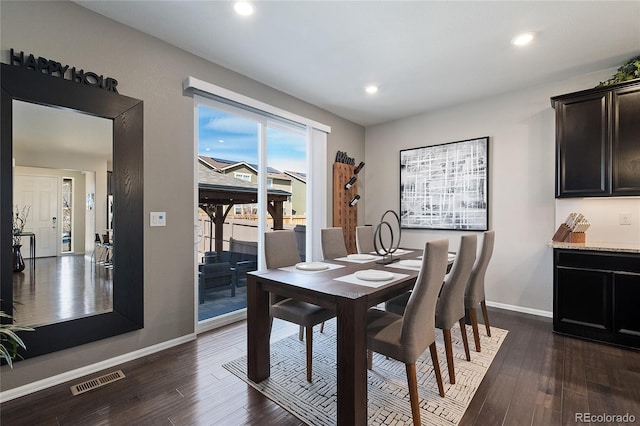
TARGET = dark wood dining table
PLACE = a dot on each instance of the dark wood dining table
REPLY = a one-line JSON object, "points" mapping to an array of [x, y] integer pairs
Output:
{"points": [[350, 302]]}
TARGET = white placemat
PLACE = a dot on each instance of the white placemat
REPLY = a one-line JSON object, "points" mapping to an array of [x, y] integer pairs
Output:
{"points": [[399, 266], [300, 271], [348, 259], [351, 279]]}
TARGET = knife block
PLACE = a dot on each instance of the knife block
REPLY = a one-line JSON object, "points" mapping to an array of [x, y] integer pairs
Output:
{"points": [[576, 237], [564, 234]]}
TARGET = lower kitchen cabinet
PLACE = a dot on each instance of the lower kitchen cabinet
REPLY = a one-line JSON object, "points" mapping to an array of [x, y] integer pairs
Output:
{"points": [[596, 295], [626, 297]]}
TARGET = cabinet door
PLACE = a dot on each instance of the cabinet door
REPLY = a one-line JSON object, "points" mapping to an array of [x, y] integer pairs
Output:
{"points": [[626, 141], [626, 296], [582, 143], [582, 301]]}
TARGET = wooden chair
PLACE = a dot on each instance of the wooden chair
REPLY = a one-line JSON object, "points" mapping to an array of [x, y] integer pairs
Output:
{"points": [[333, 245], [364, 239], [474, 294], [280, 250], [450, 305], [406, 337]]}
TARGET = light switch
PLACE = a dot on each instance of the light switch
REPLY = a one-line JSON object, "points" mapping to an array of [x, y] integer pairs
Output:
{"points": [[158, 219]]}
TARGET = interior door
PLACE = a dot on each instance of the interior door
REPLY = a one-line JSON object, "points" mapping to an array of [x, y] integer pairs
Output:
{"points": [[41, 194]]}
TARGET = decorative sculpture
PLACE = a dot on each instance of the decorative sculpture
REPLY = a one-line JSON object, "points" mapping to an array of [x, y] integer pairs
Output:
{"points": [[378, 243]]}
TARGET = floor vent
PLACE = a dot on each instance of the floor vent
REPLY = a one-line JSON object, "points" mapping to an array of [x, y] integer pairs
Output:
{"points": [[97, 382]]}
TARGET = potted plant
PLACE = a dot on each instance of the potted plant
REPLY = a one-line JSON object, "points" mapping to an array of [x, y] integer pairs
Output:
{"points": [[19, 220], [630, 70], [10, 342]]}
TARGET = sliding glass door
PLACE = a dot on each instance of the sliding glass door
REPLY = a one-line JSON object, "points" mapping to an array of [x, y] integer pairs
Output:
{"points": [[251, 178]]}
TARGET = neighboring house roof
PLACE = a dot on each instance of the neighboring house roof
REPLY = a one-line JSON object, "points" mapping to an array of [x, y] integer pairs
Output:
{"points": [[218, 188], [228, 165], [302, 177], [212, 162]]}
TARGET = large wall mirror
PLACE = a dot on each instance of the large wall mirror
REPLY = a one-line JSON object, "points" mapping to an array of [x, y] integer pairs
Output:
{"points": [[72, 155]]}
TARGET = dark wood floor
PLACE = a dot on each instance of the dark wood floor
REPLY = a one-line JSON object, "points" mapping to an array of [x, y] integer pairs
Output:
{"points": [[60, 289], [537, 378], [72, 286]]}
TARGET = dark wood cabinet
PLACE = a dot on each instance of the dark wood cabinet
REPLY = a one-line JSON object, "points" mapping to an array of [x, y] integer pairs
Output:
{"points": [[626, 141], [626, 296], [595, 295], [598, 142]]}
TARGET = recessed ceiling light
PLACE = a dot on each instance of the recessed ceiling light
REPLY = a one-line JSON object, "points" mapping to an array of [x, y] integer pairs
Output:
{"points": [[243, 8], [522, 39], [371, 89]]}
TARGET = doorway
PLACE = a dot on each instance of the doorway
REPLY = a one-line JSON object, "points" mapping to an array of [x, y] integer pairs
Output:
{"points": [[41, 194]]}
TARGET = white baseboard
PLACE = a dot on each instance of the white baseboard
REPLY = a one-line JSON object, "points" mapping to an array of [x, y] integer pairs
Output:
{"points": [[27, 389], [524, 310]]}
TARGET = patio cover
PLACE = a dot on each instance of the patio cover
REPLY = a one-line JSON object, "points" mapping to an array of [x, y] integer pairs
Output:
{"points": [[216, 190]]}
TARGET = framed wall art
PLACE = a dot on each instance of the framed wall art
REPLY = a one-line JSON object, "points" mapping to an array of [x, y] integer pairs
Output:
{"points": [[445, 186]]}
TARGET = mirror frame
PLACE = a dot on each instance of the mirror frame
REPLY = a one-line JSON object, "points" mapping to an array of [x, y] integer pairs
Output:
{"points": [[128, 285]]}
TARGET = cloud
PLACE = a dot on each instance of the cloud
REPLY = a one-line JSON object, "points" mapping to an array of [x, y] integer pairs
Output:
{"points": [[230, 125]]}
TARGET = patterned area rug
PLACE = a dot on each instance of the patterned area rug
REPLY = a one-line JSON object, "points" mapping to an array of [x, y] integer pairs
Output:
{"points": [[388, 395]]}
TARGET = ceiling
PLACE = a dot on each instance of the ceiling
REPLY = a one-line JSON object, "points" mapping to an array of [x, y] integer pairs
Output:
{"points": [[424, 55], [60, 131]]}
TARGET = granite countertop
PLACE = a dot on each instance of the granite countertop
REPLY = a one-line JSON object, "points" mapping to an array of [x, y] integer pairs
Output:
{"points": [[597, 246]]}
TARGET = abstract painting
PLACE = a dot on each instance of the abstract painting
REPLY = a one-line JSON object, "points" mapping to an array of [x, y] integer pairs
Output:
{"points": [[445, 186]]}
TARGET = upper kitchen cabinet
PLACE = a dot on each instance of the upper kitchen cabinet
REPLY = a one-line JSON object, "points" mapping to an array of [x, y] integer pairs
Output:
{"points": [[626, 141], [598, 141]]}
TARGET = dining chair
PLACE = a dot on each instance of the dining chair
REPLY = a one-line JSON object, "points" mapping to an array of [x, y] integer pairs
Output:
{"points": [[450, 305], [98, 250], [474, 294], [333, 245], [364, 239], [108, 259], [405, 337], [280, 250]]}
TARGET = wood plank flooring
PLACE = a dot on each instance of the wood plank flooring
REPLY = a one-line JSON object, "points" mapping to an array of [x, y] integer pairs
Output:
{"points": [[60, 289], [537, 378]]}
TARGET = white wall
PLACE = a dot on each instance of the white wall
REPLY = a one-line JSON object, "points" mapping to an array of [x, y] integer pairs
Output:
{"points": [[521, 128], [604, 216]]}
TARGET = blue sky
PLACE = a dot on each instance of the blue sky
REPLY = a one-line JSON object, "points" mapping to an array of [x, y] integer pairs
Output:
{"points": [[230, 137]]}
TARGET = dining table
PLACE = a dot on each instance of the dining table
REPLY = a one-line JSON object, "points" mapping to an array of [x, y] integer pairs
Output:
{"points": [[336, 288]]}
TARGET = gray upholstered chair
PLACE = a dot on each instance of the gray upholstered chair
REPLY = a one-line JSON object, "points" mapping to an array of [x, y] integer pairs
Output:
{"points": [[406, 337], [333, 245], [364, 239], [474, 294], [450, 306], [280, 250]]}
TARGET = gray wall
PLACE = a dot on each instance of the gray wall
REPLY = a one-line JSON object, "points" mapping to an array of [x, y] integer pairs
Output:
{"points": [[521, 128], [151, 70]]}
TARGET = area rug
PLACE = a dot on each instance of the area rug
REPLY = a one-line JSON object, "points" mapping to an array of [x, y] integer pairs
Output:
{"points": [[388, 396]]}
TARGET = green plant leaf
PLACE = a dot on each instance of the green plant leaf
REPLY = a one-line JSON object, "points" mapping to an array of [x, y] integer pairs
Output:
{"points": [[4, 354]]}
